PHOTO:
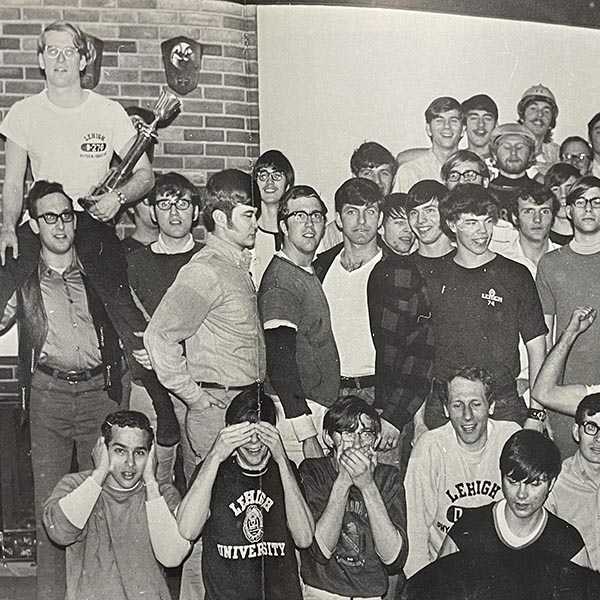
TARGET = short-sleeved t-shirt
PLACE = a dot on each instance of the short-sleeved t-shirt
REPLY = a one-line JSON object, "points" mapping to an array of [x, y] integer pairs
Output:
{"points": [[479, 313], [477, 532], [354, 569], [292, 295], [72, 146], [565, 280]]}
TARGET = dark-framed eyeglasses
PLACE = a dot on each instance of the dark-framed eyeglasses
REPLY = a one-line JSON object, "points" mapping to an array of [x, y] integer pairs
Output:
{"points": [[178, 203], [68, 53], [51, 218], [590, 428], [583, 202], [468, 176], [263, 175], [301, 216]]}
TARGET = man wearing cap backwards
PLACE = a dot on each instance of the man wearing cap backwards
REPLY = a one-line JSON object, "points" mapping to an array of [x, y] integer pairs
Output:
{"points": [[481, 117], [537, 111], [512, 146]]}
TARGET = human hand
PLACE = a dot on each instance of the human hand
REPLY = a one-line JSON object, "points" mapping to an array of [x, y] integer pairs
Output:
{"points": [[8, 239], [230, 438], [311, 448], [101, 460], [389, 436], [142, 356], [360, 465], [103, 207], [149, 473], [581, 320], [206, 400], [269, 435]]}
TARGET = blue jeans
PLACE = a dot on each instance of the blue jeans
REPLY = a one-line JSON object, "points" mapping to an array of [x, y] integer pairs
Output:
{"points": [[61, 414]]}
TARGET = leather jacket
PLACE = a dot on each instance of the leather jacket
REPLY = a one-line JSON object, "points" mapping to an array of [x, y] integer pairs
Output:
{"points": [[33, 328]]}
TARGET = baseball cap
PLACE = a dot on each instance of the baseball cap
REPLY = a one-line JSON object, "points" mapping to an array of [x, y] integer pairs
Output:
{"points": [[512, 129]]}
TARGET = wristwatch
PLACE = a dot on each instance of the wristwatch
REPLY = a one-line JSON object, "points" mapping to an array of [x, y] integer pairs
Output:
{"points": [[539, 414]]}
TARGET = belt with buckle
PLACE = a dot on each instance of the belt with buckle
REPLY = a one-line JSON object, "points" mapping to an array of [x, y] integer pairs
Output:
{"points": [[217, 386], [357, 382], [71, 377]]}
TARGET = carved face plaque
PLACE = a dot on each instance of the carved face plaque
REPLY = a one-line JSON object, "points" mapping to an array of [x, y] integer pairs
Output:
{"points": [[182, 57], [90, 77]]}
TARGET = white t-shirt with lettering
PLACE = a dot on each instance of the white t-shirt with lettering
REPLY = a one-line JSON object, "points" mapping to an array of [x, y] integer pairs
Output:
{"points": [[72, 146]]}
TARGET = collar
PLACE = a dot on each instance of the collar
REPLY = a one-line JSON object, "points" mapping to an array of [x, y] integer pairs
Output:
{"points": [[161, 246], [45, 270], [240, 258], [281, 254], [584, 248]]}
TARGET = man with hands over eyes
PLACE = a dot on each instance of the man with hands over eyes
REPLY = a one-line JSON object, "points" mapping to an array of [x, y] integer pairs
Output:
{"points": [[246, 504]]}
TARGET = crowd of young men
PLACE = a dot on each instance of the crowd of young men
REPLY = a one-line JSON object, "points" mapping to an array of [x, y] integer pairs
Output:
{"points": [[348, 398]]}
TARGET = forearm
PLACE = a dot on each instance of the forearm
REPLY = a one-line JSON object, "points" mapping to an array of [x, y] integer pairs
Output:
{"points": [[169, 546], [536, 350], [299, 518], [12, 191], [77, 505], [547, 389], [387, 539], [420, 513], [12, 204], [194, 509], [140, 182], [329, 526]]}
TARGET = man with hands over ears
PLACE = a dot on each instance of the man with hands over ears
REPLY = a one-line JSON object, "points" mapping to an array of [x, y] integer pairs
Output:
{"points": [[115, 520]]}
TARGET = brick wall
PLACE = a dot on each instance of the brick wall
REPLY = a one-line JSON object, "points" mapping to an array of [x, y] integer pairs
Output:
{"points": [[218, 125]]}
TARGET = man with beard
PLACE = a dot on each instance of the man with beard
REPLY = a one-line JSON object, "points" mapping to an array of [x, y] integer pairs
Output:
{"points": [[513, 147], [211, 306]]}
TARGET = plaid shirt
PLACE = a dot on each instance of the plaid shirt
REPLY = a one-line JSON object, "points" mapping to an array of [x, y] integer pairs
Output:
{"points": [[400, 316]]}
